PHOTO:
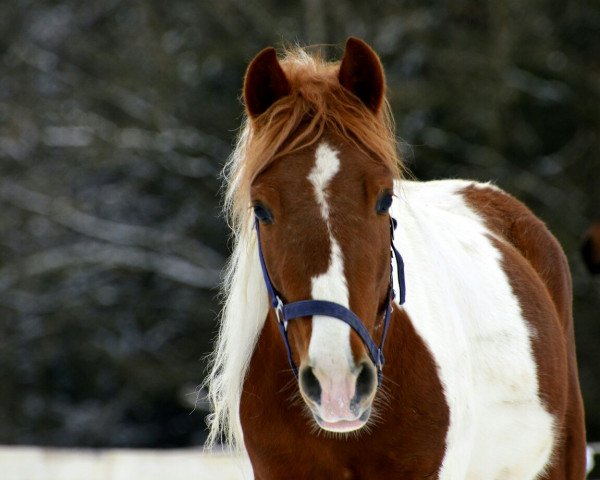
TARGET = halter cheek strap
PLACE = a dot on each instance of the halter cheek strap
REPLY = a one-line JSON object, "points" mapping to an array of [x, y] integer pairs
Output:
{"points": [[306, 308]]}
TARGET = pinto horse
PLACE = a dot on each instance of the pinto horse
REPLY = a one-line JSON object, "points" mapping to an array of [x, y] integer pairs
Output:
{"points": [[480, 376]]}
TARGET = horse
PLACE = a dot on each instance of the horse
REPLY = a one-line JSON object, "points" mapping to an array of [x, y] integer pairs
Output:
{"points": [[590, 248], [375, 326]]}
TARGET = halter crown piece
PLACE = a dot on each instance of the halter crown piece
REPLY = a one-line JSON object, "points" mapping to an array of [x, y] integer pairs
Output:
{"points": [[307, 308]]}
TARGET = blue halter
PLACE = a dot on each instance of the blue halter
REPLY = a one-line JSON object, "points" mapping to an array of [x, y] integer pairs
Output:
{"points": [[307, 308]]}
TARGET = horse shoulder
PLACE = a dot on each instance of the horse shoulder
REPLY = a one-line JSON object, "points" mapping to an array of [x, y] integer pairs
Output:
{"points": [[524, 240], [513, 318], [511, 221]]}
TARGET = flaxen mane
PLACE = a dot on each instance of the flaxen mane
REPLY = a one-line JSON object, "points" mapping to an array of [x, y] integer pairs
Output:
{"points": [[317, 103]]}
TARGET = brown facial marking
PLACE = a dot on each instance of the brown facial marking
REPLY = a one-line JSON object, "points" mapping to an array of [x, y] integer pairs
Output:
{"points": [[363, 235]]}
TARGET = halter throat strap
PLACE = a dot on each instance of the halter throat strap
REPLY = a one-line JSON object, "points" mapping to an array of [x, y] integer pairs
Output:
{"points": [[307, 308]]}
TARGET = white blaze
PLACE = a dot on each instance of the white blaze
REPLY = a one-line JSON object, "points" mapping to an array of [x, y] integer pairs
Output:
{"points": [[330, 341]]}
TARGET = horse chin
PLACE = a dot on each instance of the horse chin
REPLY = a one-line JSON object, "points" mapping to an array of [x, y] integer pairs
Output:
{"points": [[344, 426]]}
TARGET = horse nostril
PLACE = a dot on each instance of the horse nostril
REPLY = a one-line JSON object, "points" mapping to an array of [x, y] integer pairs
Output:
{"points": [[310, 384], [366, 381]]}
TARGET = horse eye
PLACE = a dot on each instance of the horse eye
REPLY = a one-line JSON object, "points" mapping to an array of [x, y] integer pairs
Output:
{"points": [[384, 203], [263, 215]]}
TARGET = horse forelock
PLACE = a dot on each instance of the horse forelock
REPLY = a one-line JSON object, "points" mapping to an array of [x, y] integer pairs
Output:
{"points": [[317, 105]]}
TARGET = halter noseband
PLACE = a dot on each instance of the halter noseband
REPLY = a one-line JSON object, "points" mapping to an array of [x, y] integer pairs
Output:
{"points": [[306, 308]]}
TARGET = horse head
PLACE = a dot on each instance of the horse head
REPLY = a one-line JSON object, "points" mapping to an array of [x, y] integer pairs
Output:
{"points": [[321, 204]]}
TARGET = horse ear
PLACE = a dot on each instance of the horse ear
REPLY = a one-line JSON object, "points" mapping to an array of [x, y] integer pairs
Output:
{"points": [[265, 82], [361, 73]]}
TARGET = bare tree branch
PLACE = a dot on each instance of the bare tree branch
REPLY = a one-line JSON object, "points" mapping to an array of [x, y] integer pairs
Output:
{"points": [[60, 211], [109, 256]]}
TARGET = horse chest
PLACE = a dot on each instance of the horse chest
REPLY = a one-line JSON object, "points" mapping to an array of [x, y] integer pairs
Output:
{"points": [[406, 441]]}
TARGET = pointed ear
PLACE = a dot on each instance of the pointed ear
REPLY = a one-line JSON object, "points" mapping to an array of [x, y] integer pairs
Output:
{"points": [[362, 74], [265, 82]]}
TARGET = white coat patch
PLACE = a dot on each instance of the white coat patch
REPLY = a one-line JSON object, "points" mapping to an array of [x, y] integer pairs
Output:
{"points": [[461, 303]]}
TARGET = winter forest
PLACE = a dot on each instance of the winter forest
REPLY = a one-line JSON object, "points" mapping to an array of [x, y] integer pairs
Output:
{"points": [[116, 119]]}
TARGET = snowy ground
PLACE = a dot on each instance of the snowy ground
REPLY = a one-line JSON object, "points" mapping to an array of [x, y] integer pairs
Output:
{"points": [[32, 463]]}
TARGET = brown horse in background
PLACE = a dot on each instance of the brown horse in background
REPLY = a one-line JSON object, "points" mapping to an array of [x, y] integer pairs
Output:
{"points": [[590, 248], [480, 376]]}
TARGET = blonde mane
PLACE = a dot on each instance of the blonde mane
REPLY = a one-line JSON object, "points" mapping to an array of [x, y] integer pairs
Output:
{"points": [[317, 104]]}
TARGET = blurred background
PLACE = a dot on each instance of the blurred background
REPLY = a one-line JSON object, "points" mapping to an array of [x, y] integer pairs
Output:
{"points": [[116, 118]]}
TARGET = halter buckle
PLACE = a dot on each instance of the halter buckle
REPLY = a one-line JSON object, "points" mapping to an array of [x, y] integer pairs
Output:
{"points": [[379, 366], [380, 360], [279, 312]]}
